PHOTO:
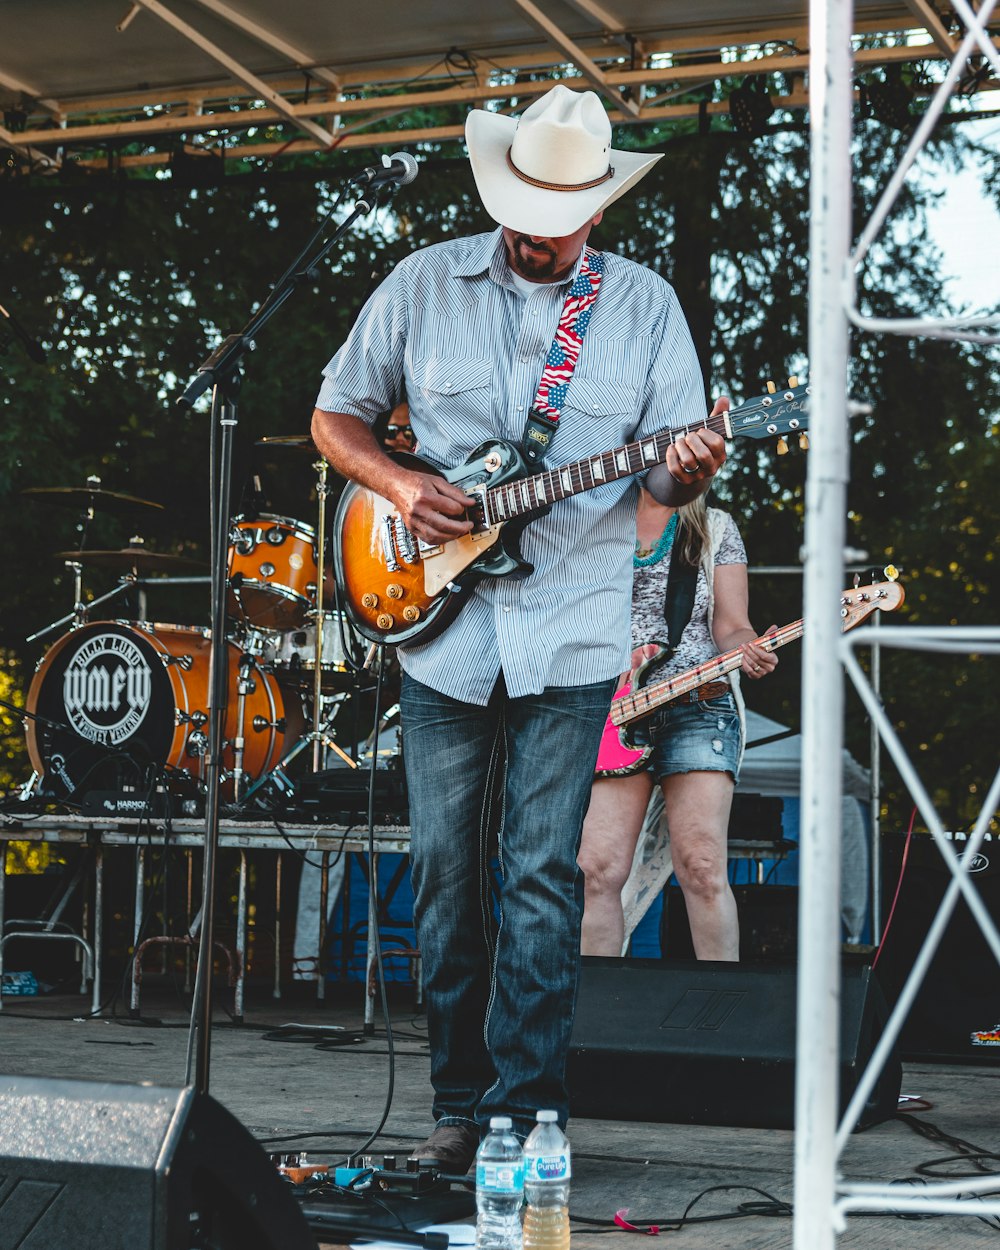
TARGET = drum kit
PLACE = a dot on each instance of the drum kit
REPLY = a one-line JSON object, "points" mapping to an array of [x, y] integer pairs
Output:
{"points": [[122, 704]]}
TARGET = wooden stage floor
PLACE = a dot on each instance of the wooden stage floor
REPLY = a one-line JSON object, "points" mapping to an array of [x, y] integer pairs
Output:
{"points": [[655, 1170]]}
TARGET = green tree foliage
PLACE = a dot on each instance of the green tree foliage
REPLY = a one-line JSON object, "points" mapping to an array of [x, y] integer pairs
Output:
{"points": [[129, 283]]}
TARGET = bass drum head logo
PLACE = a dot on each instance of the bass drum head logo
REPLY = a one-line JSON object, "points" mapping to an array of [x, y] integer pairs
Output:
{"points": [[106, 689]]}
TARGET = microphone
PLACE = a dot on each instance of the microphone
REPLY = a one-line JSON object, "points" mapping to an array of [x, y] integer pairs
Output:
{"points": [[34, 349], [400, 168]]}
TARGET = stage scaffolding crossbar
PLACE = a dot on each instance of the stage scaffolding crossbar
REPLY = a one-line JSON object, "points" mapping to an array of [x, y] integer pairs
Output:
{"points": [[821, 1203]]}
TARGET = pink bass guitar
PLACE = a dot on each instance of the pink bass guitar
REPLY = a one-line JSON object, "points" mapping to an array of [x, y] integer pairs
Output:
{"points": [[619, 756]]}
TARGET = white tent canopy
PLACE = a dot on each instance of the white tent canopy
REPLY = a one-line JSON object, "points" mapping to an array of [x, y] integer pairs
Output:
{"points": [[775, 767]]}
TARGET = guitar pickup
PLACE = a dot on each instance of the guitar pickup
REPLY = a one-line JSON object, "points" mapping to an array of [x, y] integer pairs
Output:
{"points": [[479, 514]]}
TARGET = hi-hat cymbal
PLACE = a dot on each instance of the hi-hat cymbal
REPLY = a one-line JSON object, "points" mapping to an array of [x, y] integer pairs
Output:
{"points": [[132, 558], [92, 497]]}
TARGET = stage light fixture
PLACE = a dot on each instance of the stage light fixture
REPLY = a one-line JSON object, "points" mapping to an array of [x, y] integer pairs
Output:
{"points": [[750, 107], [888, 99]]}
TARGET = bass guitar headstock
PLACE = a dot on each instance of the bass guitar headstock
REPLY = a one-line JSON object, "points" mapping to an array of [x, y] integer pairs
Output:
{"points": [[858, 603]]}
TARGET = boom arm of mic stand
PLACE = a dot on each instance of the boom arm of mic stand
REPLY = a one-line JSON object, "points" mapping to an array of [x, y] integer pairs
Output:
{"points": [[225, 360]]}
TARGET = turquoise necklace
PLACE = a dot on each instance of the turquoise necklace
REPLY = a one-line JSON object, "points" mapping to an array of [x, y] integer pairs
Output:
{"points": [[662, 548]]}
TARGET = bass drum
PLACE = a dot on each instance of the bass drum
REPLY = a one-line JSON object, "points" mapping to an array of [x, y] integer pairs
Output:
{"points": [[126, 703]]}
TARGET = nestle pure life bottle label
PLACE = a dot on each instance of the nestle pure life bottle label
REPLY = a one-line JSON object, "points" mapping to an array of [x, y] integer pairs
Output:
{"points": [[548, 1167], [501, 1178]]}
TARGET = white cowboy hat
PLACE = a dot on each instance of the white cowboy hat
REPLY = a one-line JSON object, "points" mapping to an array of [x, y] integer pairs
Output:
{"points": [[552, 169]]}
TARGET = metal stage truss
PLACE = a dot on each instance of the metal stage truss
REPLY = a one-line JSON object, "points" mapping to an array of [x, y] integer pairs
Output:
{"points": [[822, 1201], [109, 84]]}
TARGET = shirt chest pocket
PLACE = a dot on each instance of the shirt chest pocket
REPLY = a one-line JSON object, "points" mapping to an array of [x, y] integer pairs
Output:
{"points": [[609, 378], [456, 385]]}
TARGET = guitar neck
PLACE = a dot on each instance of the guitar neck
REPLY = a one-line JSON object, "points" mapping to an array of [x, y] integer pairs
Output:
{"points": [[633, 706], [528, 494]]}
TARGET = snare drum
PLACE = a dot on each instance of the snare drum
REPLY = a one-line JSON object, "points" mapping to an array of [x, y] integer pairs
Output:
{"points": [[272, 571], [126, 696], [293, 657]]}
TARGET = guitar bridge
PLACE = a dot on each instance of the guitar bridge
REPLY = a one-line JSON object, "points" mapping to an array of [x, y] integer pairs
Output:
{"points": [[388, 544], [404, 541]]}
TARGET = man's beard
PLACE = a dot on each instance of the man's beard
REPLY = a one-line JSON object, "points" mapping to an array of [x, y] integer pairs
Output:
{"points": [[535, 262]]}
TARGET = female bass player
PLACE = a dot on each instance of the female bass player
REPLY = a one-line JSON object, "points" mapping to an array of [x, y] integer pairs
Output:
{"points": [[697, 741]]}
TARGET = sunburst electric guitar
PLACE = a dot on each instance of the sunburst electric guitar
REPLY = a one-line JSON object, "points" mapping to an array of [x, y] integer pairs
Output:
{"points": [[396, 588], [619, 756]]}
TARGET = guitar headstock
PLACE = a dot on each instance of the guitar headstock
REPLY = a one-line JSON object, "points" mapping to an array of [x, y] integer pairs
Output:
{"points": [[775, 414], [858, 603]]}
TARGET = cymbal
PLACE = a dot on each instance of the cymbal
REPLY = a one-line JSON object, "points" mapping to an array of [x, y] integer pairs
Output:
{"points": [[301, 442], [92, 497], [132, 558]]}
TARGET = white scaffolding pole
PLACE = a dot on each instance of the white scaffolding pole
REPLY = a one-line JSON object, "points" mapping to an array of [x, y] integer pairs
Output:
{"points": [[818, 1020]]}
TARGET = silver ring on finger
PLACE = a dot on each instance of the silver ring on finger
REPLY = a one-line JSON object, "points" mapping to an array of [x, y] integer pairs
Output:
{"points": [[690, 469]]}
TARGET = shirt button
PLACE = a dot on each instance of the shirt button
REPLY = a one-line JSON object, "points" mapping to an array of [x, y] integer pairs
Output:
{"points": [[447, 386], [534, 312], [506, 607], [520, 407]]}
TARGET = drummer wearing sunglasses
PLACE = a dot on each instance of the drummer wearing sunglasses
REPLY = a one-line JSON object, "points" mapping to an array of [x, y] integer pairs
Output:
{"points": [[394, 431]]}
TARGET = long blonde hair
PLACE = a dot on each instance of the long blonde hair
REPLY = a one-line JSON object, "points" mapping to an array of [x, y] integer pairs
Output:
{"points": [[693, 529]]}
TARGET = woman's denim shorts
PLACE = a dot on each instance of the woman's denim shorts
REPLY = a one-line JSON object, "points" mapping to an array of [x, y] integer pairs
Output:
{"points": [[693, 737]]}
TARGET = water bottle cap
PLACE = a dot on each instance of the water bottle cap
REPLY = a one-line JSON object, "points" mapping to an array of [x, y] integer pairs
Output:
{"points": [[501, 1121], [547, 1117]]}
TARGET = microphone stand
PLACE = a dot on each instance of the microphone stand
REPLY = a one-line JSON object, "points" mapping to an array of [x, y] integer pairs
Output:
{"points": [[222, 371]]}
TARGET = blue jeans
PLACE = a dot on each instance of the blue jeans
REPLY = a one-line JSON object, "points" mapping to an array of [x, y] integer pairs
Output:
{"points": [[500, 996]]}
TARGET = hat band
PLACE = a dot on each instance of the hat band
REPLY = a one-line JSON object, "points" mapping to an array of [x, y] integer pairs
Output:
{"points": [[558, 186]]}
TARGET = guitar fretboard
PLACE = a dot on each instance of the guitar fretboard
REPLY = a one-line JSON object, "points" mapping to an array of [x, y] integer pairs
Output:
{"points": [[631, 707], [528, 494]]}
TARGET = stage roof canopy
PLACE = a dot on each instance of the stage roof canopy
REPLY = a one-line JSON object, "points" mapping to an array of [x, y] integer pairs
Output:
{"points": [[133, 83]]}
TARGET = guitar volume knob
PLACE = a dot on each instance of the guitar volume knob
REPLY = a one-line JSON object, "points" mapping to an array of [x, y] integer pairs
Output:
{"points": [[368, 600], [384, 621], [411, 613], [394, 590]]}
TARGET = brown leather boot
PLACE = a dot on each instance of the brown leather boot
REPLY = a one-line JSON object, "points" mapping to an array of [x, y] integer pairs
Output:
{"points": [[450, 1148]]}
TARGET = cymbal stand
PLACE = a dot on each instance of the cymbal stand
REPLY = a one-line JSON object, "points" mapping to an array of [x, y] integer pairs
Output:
{"points": [[319, 616], [81, 610]]}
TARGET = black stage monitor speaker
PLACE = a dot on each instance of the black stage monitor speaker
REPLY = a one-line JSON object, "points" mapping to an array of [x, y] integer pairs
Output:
{"points": [[710, 1043], [92, 1165], [956, 1014]]}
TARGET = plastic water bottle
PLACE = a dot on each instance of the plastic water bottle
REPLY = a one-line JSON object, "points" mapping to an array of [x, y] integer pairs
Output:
{"points": [[499, 1188], [547, 1172]]}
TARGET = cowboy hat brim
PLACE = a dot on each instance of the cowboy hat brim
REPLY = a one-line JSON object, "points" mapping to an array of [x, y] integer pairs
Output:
{"points": [[528, 209]]}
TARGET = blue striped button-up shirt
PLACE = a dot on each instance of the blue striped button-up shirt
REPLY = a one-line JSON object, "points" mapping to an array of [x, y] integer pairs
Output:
{"points": [[449, 326]]}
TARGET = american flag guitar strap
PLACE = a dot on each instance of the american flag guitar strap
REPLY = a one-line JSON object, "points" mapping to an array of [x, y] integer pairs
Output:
{"points": [[543, 418]]}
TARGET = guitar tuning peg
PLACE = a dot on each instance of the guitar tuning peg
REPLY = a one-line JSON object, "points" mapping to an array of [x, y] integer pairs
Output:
{"points": [[771, 388], [793, 381], [890, 572], [782, 447], [857, 580], [804, 442]]}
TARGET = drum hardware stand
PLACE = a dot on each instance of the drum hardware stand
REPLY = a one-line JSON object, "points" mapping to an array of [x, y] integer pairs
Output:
{"points": [[222, 373], [319, 615], [81, 611], [322, 735]]}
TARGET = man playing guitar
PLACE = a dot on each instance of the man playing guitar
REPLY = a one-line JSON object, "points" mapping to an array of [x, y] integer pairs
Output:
{"points": [[510, 700]]}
